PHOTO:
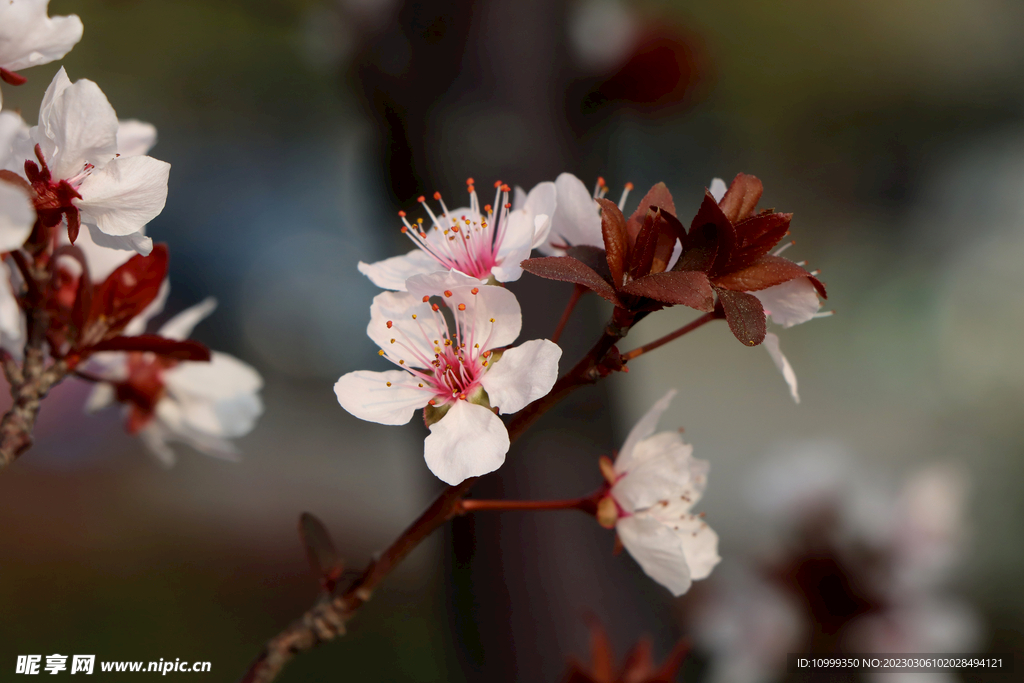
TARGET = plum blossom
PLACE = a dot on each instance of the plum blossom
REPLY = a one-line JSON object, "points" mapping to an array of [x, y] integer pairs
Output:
{"points": [[79, 174], [655, 482], [480, 244], [202, 404], [790, 303], [456, 370], [17, 214], [28, 37]]}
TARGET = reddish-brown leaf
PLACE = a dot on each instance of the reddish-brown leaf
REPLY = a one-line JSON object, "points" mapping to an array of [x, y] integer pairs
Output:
{"points": [[672, 230], [686, 288], [320, 551], [153, 343], [642, 254], [658, 196], [592, 257], [757, 236], [745, 316], [700, 247], [742, 197], [768, 272], [83, 299], [130, 288], [725, 235], [616, 243], [568, 269]]}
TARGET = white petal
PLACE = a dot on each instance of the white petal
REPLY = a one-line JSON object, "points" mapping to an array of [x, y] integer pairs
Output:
{"points": [[468, 441], [125, 194], [14, 141], [522, 375], [518, 198], [155, 436], [217, 398], [657, 550], [515, 247], [180, 326], [413, 336], [12, 320], [58, 84], [700, 545], [576, 220], [790, 303], [16, 217], [718, 189], [643, 429], [103, 253], [668, 475], [366, 395], [138, 324], [135, 138], [489, 303], [391, 273], [771, 345], [120, 248], [543, 199], [101, 396], [83, 126], [29, 38]]}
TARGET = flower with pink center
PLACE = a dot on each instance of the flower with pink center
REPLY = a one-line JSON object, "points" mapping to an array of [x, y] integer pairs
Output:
{"points": [[654, 483], [77, 173], [445, 336], [482, 244], [28, 37], [791, 303]]}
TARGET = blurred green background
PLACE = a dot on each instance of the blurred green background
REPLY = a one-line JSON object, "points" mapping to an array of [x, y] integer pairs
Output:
{"points": [[893, 130]]}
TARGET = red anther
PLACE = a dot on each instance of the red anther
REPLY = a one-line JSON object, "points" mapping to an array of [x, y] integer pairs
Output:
{"points": [[497, 183], [455, 228], [629, 186], [508, 206], [448, 292], [475, 290], [421, 199], [423, 234], [506, 188], [390, 324], [600, 181], [437, 195], [432, 402], [404, 229], [487, 208], [426, 298], [435, 307], [401, 214], [462, 307], [469, 181]]}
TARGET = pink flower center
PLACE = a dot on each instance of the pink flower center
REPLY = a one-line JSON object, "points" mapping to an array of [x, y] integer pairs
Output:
{"points": [[460, 351], [468, 242]]}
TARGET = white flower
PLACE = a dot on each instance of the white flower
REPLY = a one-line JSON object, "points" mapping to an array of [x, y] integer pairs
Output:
{"points": [[452, 368], [84, 172], [656, 483], [484, 244], [28, 37], [12, 319], [791, 303], [202, 404]]}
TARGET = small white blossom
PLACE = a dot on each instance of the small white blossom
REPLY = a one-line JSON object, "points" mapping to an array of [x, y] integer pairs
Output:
{"points": [[577, 218], [657, 481], [28, 37], [479, 243], [454, 368], [80, 142], [202, 404]]}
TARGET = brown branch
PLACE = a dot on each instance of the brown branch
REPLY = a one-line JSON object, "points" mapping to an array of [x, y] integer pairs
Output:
{"points": [[671, 336], [327, 618]]}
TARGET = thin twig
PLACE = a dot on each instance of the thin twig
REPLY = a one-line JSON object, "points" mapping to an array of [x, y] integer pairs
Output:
{"points": [[327, 618], [577, 292], [706, 318]]}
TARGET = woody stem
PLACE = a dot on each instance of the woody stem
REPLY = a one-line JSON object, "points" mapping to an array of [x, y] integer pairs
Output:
{"points": [[326, 619], [586, 504], [577, 292], [704, 319]]}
